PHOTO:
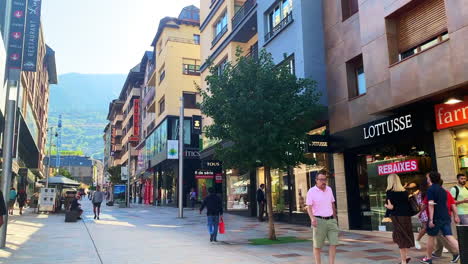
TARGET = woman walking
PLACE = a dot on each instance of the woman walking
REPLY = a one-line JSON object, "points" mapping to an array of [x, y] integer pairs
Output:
{"points": [[193, 198], [12, 200], [22, 197], [397, 203], [423, 219]]}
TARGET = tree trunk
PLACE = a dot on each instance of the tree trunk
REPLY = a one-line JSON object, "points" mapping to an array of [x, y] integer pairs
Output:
{"points": [[271, 224]]}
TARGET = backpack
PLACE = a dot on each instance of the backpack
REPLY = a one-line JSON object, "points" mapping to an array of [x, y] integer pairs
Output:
{"points": [[457, 192], [414, 206]]}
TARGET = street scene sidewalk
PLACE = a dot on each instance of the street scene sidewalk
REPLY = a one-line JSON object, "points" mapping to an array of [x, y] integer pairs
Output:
{"points": [[146, 234]]}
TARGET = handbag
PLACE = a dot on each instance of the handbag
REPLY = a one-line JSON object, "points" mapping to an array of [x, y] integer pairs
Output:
{"points": [[413, 205], [221, 226]]}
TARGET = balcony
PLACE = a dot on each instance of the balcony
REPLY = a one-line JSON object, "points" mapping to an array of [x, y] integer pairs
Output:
{"points": [[278, 28], [242, 13], [183, 40]]}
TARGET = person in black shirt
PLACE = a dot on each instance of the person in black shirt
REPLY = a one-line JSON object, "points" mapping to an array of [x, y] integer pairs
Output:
{"points": [[261, 202], [439, 217], [398, 205], [76, 206], [214, 209], [3, 209]]}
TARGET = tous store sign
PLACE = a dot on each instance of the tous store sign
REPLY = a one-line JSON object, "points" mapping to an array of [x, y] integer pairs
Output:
{"points": [[451, 115]]}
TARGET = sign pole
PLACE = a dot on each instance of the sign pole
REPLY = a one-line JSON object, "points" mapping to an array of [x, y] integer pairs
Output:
{"points": [[181, 158]]}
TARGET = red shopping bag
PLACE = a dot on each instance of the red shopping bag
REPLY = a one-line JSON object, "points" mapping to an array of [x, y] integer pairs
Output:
{"points": [[222, 229]]}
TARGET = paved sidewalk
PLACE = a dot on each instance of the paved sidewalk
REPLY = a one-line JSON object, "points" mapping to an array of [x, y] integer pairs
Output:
{"points": [[145, 234]]}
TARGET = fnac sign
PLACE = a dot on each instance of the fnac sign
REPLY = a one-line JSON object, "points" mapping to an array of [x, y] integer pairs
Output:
{"points": [[451, 115]]}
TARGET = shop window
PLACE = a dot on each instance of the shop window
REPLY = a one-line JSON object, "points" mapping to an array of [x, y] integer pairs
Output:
{"points": [[279, 16], [190, 100], [349, 8], [237, 189], [419, 26], [356, 77]]}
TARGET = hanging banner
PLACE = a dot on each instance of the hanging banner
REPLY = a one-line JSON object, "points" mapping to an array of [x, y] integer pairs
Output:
{"points": [[197, 124], [16, 41], [31, 40], [136, 121], [173, 149]]}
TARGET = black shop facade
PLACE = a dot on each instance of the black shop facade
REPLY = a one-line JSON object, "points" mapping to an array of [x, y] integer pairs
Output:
{"points": [[402, 143]]}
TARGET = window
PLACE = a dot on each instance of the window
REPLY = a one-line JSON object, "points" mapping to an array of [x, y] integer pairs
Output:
{"points": [[423, 46], [356, 77], [162, 105], [289, 62], [190, 100], [349, 8], [221, 66], [420, 27], [196, 39], [162, 74], [278, 18], [219, 29], [191, 67]]}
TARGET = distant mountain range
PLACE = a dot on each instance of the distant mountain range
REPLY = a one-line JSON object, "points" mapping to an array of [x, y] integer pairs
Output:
{"points": [[83, 101]]}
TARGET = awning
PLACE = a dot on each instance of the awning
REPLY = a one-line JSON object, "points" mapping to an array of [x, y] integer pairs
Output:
{"points": [[61, 180]]}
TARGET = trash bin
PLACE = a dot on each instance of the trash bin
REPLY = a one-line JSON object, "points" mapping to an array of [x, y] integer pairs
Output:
{"points": [[462, 231]]}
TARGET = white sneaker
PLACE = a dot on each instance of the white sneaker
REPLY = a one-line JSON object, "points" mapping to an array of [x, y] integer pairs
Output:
{"points": [[445, 250], [417, 245]]}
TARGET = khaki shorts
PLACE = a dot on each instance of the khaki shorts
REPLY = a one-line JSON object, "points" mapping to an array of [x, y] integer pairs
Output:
{"points": [[326, 229]]}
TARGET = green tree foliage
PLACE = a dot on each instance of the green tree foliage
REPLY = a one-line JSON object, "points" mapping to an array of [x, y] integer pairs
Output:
{"points": [[265, 111], [115, 175], [64, 172]]}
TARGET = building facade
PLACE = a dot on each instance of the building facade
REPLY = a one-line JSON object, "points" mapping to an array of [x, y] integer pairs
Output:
{"points": [[81, 168], [114, 132], [176, 71], [397, 80]]}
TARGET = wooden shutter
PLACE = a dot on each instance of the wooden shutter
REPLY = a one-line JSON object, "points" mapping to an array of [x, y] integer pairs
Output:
{"points": [[421, 23]]}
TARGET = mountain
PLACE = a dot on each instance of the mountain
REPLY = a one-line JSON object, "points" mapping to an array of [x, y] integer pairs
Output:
{"points": [[83, 101]]}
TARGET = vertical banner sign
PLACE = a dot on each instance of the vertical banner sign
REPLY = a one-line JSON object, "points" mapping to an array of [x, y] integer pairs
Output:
{"points": [[136, 120], [31, 38], [173, 149], [112, 143], [197, 124], [16, 40]]}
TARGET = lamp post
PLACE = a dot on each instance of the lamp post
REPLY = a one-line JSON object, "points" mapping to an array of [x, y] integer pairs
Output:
{"points": [[181, 158]]}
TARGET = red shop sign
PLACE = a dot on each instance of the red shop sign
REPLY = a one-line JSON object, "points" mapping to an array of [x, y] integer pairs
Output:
{"points": [[398, 167], [451, 115], [218, 178]]}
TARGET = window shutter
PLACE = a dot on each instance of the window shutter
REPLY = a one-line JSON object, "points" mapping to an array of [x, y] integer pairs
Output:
{"points": [[421, 23]]}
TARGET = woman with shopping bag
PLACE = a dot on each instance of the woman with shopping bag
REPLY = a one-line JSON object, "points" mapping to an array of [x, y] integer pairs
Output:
{"points": [[214, 209]]}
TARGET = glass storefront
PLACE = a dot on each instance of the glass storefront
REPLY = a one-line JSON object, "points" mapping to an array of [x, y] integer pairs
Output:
{"points": [[237, 189], [461, 144]]}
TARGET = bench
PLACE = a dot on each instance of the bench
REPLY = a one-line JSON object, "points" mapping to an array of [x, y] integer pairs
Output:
{"points": [[71, 216]]}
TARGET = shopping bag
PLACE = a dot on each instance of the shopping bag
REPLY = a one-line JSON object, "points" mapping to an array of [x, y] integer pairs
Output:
{"points": [[222, 229]]}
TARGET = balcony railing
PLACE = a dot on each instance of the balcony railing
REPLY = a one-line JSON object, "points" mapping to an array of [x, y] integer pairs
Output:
{"points": [[286, 21], [242, 12], [219, 36], [191, 69]]}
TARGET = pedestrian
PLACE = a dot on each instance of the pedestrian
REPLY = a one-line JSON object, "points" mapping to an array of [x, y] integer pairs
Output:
{"points": [[439, 218], [397, 202], [22, 197], [261, 200], [89, 195], [214, 210], [76, 206], [460, 194], [422, 215], [12, 200], [193, 198], [322, 212], [98, 197], [3, 209]]}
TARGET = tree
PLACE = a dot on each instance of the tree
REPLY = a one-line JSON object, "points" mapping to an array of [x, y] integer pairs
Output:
{"points": [[264, 111], [64, 172], [115, 175]]}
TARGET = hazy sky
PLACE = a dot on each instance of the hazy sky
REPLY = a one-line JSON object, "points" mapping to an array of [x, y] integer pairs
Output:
{"points": [[103, 36]]}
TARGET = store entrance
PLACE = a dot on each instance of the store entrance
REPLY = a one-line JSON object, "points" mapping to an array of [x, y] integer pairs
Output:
{"points": [[368, 169]]}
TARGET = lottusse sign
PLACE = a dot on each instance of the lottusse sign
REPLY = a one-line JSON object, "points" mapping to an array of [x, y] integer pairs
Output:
{"points": [[388, 127], [451, 115], [398, 167]]}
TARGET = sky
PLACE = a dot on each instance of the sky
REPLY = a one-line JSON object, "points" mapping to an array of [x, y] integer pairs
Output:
{"points": [[103, 36]]}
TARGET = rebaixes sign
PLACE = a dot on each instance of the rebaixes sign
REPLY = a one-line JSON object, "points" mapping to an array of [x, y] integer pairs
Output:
{"points": [[388, 127], [398, 167]]}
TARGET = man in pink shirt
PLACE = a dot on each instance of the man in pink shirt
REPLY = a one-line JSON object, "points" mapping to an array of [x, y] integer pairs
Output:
{"points": [[322, 213]]}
